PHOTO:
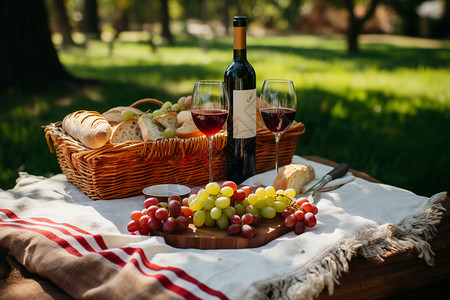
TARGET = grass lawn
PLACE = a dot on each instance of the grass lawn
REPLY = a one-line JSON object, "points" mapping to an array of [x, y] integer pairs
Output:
{"points": [[384, 111]]}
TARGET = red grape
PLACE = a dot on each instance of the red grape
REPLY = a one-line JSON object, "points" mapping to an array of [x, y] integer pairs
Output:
{"points": [[151, 211], [144, 211], [239, 195], [247, 219], [144, 230], [185, 202], [247, 190], [247, 231], [286, 213], [144, 220], [133, 226], [175, 206], [150, 201], [162, 214], [302, 200], [299, 227], [186, 211], [154, 223], [306, 207], [289, 221], [299, 214], [231, 184], [175, 197], [135, 215], [310, 219], [314, 210], [182, 223], [235, 219], [170, 225], [255, 220], [234, 229]]}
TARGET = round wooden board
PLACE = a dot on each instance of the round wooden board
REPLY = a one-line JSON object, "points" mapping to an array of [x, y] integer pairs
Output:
{"points": [[214, 238]]}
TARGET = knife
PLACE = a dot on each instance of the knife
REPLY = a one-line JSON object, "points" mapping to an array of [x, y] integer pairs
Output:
{"points": [[337, 172]]}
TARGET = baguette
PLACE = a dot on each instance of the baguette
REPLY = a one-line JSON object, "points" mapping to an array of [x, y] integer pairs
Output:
{"points": [[88, 127], [294, 176]]}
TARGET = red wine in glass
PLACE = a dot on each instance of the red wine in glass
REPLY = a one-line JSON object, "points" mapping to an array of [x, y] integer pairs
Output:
{"points": [[278, 119], [209, 121]]}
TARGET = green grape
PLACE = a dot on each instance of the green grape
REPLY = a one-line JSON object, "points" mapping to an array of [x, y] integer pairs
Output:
{"points": [[196, 204], [252, 199], [270, 200], [227, 191], [175, 107], [213, 188], [290, 193], [167, 104], [280, 192], [252, 210], [279, 206], [261, 203], [157, 112], [199, 218], [222, 202], [127, 114], [270, 191], [169, 133], [192, 197], [268, 212], [245, 202], [209, 222], [209, 203], [229, 211], [215, 213], [240, 209], [163, 204], [222, 222], [181, 102], [260, 192], [203, 194]]}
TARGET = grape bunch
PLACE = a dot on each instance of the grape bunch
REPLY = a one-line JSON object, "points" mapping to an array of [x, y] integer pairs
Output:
{"points": [[168, 216], [300, 213], [245, 225]]}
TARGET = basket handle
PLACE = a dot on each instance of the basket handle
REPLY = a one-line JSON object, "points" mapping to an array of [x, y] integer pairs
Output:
{"points": [[147, 100]]}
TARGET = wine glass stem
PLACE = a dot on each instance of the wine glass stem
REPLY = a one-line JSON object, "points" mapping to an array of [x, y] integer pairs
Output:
{"points": [[277, 141], [210, 158]]}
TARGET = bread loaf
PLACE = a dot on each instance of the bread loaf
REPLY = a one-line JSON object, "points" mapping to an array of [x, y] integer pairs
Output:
{"points": [[168, 120], [126, 131], [150, 129], [88, 127], [294, 176], [114, 115], [188, 130]]}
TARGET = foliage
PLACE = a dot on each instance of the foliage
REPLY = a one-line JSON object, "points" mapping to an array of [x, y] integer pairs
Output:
{"points": [[385, 111]]}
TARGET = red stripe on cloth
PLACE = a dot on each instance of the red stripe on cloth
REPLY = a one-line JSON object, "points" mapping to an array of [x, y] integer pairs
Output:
{"points": [[179, 272], [109, 255]]}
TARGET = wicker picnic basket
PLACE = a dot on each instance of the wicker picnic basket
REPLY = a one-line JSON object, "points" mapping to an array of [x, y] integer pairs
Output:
{"points": [[122, 170]]}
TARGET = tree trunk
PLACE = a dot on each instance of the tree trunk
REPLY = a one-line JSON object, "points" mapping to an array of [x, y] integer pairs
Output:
{"points": [[89, 24], [150, 24], [225, 16], [28, 58], [446, 18], [355, 23], [62, 22], [165, 22]]}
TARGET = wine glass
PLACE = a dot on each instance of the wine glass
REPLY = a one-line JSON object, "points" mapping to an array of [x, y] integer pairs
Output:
{"points": [[278, 103], [209, 109]]}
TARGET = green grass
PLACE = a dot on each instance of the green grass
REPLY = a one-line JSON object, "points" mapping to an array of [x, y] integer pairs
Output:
{"points": [[385, 111]]}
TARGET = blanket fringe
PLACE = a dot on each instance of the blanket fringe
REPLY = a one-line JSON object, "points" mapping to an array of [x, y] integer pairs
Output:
{"points": [[413, 233]]}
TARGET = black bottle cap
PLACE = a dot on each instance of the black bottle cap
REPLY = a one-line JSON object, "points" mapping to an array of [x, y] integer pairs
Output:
{"points": [[240, 21]]}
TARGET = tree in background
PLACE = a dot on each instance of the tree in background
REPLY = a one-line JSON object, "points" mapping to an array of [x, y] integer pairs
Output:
{"points": [[28, 58], [62, 22], [355, 23], [165, 22], [90, 22]]}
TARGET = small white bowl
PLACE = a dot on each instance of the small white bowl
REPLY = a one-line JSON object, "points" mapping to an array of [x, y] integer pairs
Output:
{"points": [[163, 191]]}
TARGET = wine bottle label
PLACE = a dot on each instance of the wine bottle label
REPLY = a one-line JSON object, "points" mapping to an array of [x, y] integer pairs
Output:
{"points": [[244, 114]]}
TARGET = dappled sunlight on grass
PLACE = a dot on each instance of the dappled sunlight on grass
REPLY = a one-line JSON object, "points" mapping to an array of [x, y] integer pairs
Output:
{"points": [[385, 111]]}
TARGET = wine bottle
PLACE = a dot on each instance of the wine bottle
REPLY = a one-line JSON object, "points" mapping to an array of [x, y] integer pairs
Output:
{"points": [[240, 83]]}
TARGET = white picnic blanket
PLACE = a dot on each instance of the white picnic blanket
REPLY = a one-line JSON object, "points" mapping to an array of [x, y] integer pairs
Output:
{"points": [[359, 216]]}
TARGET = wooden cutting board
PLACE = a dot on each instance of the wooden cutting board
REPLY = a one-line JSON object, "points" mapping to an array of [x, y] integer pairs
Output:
{"points": [[214, 238]]}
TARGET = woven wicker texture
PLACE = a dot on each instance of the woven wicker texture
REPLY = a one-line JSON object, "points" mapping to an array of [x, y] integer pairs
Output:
{"points": [[124, 169]]}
